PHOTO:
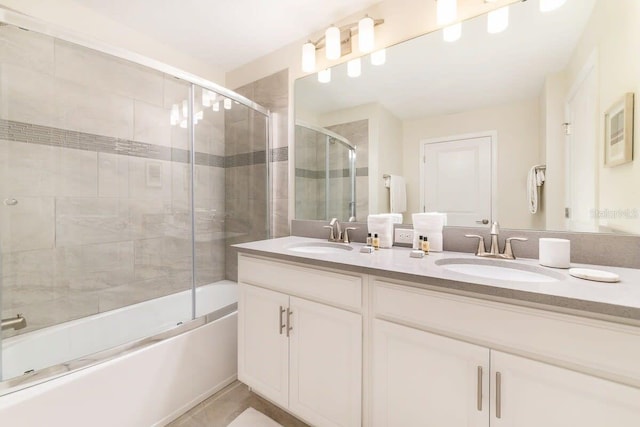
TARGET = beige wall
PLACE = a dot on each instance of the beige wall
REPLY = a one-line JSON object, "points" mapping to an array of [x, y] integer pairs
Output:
{"points": [[613, 34], [73, 16], [518, 129]]}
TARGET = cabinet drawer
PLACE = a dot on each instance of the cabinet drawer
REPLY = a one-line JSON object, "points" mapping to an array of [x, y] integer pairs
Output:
{"points": [[337, 289], [597, 347]]}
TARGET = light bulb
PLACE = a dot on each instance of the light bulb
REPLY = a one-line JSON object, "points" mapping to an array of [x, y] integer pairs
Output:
{"points": [[549, 5], [216, 106], [227, 104], [446, 11], [452, 32], [498, 20], [354, 68], [308, 57], [324, 76], [185, 108], [366, 37], [206, 98], [379, 57], [332, 42]]}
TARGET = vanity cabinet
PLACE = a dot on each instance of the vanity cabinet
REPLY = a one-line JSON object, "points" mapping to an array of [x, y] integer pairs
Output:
{"points": [[437, 380], [423, 379], [303, 355]]}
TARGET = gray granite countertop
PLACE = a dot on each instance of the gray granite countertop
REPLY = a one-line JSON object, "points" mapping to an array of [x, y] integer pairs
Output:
{"points": [[619, 302]]}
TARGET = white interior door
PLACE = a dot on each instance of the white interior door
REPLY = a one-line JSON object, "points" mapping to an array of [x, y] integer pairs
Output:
{"points": [[581, 170], [457, 179]]}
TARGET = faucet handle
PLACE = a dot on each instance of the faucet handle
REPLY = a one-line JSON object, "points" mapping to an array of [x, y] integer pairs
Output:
{"points": [[346, 234], [481, 248], [508, 251], [331, 236]]}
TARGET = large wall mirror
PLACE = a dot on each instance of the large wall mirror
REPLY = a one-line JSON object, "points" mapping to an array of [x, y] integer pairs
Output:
{"points": [[530, 127]]}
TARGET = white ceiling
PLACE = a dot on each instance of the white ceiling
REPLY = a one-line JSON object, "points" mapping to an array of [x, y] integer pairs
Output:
{"points": [[427, 76], [226, 33]]}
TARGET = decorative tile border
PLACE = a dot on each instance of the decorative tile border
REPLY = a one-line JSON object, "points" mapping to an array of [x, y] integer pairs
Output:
{"points": [[46, 135], [335, 173]]}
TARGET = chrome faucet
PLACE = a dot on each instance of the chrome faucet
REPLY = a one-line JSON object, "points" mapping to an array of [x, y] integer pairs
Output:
{"points": [[336, 234], [494, 251]]}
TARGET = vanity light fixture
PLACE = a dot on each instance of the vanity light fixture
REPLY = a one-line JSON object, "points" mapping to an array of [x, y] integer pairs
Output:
{"points": [[446, 11], [324, 76], [549, 5], [337, 41], [379, 57], [332, 41], [216, 106], [498, 20], [227, 104], [452, 32], [354, 68], [366, 36]]}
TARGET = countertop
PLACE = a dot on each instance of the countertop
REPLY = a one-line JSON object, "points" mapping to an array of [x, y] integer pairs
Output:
{"points": [[618, 302]]}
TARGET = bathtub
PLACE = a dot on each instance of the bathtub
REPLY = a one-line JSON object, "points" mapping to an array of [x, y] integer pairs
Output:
{"points": [[149, 384]]}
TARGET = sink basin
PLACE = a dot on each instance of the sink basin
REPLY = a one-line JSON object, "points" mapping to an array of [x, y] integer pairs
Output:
{"points": [[500, 270], [320, 248]]}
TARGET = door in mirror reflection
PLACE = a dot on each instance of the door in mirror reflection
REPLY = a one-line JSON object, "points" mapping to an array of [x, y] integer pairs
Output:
{"points": [[457, 177]]}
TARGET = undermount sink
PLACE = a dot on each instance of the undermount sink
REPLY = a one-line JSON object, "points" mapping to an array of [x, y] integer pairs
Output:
{"points": [[320, 248], [500, 270]]}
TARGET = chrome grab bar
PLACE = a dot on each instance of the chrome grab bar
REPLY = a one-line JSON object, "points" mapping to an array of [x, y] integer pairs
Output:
{"points": [[16, 323]]}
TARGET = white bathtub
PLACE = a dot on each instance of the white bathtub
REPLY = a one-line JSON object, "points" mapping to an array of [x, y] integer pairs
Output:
{"points": [[147, 386], [78, 338]]}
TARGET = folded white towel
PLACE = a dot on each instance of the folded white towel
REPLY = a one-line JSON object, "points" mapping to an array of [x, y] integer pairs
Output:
{"points": [[397, 194], [382, 225], [429, 224], [429, 220]]}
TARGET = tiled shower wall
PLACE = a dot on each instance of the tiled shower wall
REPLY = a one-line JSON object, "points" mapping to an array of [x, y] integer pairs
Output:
{"points": [[95, 183], [245, 175], [311, 174], [357, 133]]}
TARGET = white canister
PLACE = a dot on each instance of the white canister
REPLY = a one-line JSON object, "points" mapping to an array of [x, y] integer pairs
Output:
{"points": [[555, 253]]}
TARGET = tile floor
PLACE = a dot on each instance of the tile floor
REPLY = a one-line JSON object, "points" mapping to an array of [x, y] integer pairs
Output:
{"points": [[223, 407]]}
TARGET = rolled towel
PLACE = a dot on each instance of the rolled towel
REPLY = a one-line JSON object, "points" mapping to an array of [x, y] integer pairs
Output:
{"points": [[382, 225]]}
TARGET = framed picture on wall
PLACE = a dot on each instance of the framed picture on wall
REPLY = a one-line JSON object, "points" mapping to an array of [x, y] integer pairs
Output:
{"points": [[618, 137]]}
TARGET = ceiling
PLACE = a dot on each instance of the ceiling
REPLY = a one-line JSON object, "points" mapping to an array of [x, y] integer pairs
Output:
{"points": [[427, 76], [226, 33]]}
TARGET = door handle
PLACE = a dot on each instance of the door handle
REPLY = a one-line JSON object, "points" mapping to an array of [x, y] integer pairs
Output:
{"points": [[289, 327], [281, 324], [483, 221]]}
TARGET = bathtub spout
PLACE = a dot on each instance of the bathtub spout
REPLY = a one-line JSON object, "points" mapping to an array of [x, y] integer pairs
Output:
{"points": [[16, 323]]}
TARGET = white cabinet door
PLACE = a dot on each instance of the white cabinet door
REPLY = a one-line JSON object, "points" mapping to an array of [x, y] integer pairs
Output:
{"points": [[422, 379], [534, 394], [325, 364], [263, 347]]}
